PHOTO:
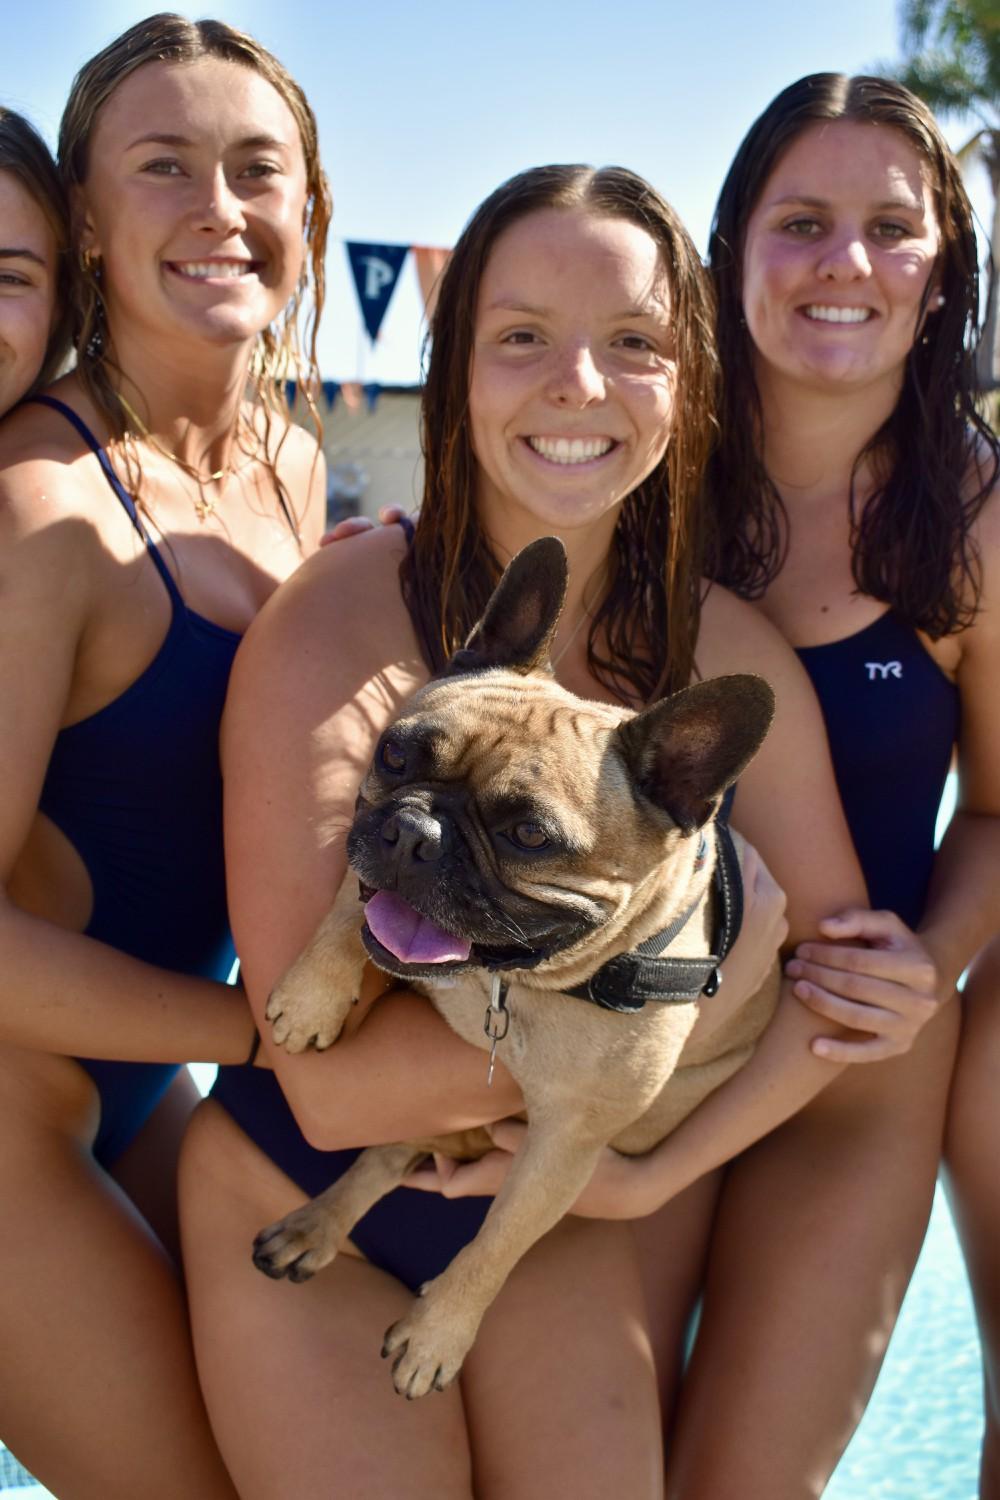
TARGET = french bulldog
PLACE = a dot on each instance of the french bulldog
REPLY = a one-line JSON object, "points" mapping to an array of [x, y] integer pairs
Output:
{"points": [[520, 851]]}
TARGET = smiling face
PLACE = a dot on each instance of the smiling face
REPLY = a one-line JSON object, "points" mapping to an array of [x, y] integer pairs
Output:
{"points": [[194, 201], [27, 289], [572, 385], [840, 250]]}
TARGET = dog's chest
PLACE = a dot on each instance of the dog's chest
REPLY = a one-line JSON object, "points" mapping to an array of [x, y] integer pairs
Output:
{"points": [[553, 1039]]}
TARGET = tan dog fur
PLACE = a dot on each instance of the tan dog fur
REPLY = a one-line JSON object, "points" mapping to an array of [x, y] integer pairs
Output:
{"points": [[589, 1077]]}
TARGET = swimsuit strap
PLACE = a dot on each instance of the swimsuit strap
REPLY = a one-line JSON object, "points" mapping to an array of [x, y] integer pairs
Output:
{"points": [[119, 489]]}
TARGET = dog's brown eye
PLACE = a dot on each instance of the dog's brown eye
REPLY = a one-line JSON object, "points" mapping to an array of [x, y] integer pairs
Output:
{"points": [[529, 836], [391, 757]]}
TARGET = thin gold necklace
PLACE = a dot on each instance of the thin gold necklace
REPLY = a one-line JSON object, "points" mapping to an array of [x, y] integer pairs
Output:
{"points": [[204, 506]]}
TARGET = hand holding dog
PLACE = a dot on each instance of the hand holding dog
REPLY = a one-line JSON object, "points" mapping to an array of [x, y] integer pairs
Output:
{"points": [[622, 1187], [888, 986]]}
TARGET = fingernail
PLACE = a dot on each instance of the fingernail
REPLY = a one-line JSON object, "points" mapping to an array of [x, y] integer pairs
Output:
{"points": [[793, 968]]}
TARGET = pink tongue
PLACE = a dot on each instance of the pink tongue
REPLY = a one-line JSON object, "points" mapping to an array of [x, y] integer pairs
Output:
{"points": [[411, 937]]}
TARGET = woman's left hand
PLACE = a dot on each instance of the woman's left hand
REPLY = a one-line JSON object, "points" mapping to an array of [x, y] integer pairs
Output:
{"points": [[619, 1189], [389, 515], [888, 988]]}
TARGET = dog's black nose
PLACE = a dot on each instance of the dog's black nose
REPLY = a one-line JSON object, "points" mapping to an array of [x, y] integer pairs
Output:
{"points": [[415, 835]]}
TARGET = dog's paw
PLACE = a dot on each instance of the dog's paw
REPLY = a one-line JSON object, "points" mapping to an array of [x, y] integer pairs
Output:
{"points": [[430, 1345], [302, 1014], [297, 1246]]}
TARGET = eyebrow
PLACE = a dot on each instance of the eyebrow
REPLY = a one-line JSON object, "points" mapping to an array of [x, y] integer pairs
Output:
{"points": [[912, 205], [503, 304], [15, 252], [249, 142]]}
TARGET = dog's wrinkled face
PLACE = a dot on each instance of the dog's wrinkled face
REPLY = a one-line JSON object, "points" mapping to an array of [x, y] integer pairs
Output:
{"points": [[504, 821], [493, 809]]}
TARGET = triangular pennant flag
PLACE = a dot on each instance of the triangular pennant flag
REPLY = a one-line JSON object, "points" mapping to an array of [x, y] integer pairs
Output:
{"points": [[375, 269], [331, 390], [372, 392], [431, 261]]}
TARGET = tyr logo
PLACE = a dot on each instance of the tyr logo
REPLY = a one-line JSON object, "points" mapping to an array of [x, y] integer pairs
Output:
{"points": [[878, 670]]}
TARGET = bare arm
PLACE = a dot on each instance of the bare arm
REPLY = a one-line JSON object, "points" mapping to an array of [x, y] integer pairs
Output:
{"points": [[325, 667], [61, 991]]}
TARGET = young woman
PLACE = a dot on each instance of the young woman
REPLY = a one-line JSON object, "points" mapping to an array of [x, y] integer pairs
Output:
{"points": [[34, 301], [569, 390], [853, 500], [149, 504]]}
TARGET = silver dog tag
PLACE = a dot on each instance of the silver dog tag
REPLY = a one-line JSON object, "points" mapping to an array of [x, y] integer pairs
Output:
{"points": [[497, 1021]]}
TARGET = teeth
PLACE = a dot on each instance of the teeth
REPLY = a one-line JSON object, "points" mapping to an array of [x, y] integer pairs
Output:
{"points": [[570, 450], [838, 314], [202, 268]]}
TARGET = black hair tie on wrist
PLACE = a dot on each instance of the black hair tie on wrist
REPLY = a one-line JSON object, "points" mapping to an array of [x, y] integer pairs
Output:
{"points": [[254, 1049]]}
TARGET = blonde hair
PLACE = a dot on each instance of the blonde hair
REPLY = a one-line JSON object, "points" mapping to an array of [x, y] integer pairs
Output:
{"points": [[282, 349]]}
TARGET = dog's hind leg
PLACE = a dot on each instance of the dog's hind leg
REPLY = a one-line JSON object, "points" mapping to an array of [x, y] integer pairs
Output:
{"points": [[551, 1169], [306, 1240]]}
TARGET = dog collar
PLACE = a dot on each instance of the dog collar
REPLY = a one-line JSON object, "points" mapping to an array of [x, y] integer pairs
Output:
{"points": [[628, 980]]}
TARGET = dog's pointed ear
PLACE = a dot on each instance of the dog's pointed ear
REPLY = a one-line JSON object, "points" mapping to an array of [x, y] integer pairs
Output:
{"points": [[520, 619], [686, 750]]}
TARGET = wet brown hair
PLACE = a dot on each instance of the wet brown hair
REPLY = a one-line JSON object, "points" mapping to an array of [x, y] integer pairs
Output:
{"points": [[282, 350], [25, 156], [937, 458], [649, 615]]}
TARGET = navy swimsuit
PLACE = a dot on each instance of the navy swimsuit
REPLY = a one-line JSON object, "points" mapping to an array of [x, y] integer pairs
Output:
{"points": [[892, 719], [137, 790]]}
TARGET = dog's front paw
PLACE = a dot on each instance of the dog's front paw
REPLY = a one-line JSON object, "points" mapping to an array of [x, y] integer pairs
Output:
{"points": [[430, 1344], [297, 1246], [303, 1012]]}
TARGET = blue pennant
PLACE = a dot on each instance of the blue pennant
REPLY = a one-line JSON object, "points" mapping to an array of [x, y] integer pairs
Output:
{"points": [[375, 269]]}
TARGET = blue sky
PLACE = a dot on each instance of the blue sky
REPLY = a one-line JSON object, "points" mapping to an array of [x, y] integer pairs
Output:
{"points": [[424, 108]]}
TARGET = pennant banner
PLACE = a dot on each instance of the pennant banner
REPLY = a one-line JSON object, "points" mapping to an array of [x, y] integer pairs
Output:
{"points": [[375, 269]]}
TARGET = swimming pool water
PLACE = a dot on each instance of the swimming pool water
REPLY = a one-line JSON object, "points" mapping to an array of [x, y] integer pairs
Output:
{"points": [[919, 1439]]}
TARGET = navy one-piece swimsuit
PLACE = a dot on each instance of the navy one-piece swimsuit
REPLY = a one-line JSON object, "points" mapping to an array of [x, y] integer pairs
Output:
{"points": [[892, 719], [137, 790]]}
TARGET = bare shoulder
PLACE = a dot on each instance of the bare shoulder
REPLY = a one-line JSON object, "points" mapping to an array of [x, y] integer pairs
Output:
{"points": [[301, 468], [733, 636], [336, 631], [984, 632], [48, 517]]}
